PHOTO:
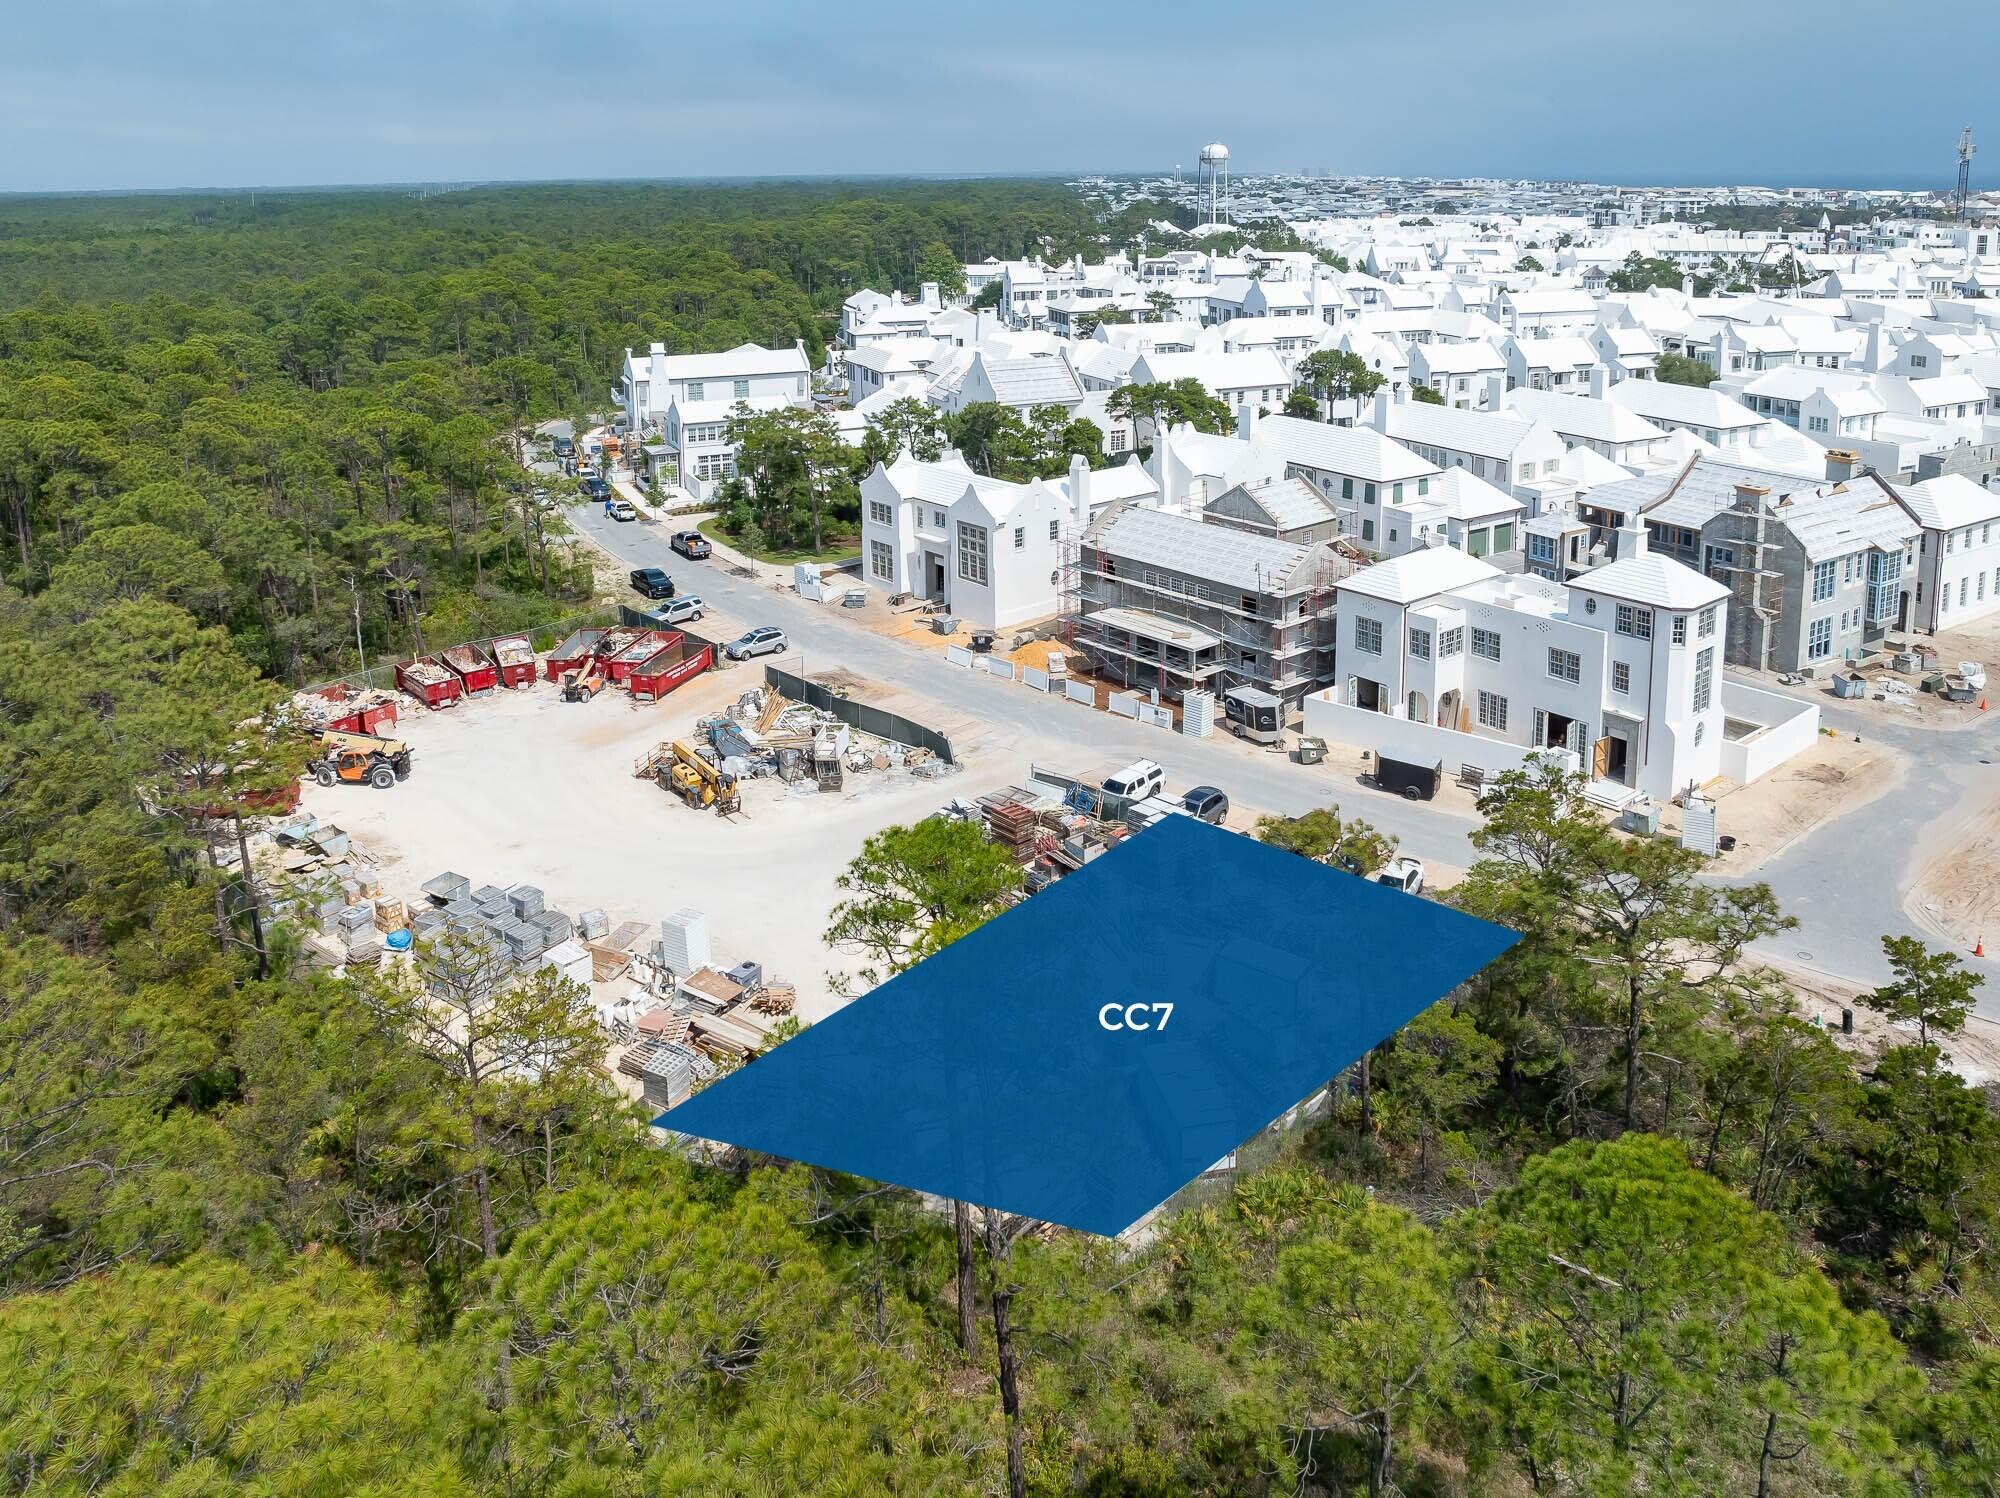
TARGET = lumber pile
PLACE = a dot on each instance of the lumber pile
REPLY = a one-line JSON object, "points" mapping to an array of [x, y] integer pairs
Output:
{"points": [[1011, 821]]}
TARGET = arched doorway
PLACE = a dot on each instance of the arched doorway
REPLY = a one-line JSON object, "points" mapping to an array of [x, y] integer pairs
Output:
{"points": [[1448, 709], [1420, 708]]}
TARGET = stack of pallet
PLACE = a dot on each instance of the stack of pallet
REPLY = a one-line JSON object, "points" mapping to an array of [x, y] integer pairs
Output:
{"points": [[611, 955], [774, 999], [1011, 822]]}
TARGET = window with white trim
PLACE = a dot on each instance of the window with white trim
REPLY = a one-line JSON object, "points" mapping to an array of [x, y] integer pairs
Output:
{"points": [[1680, 629], [1704, 673], [1492, 711], [882, 560], [1565, 665], [881, 513], [1420, 643], [1367, 634], [972, 552], [1822, 583], [1486, 643], [1634, 621], [1621, 677], [1451, 641], [1707, 620], [1819, 639]]}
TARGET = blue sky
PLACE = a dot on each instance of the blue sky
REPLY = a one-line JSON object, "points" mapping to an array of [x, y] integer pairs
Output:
{"points": [[98, 94]]}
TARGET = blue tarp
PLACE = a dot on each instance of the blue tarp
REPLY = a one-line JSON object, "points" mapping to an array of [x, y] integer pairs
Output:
{"points": [[994, 1072]]}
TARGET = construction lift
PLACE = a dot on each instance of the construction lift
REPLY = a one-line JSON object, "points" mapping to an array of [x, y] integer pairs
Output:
{"points": [[359, 758], [699, 783]]}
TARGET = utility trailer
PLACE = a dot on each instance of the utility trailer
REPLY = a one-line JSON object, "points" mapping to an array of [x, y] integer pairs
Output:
{"points": [[1252, 714], [1414, 782], [475, 671], [430, 681]]}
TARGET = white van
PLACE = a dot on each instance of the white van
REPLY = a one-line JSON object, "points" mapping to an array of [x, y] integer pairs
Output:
{"points": [[1137, 781]]}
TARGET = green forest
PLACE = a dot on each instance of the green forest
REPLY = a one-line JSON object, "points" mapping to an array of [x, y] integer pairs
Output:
{"points": [[1614, 1218]]}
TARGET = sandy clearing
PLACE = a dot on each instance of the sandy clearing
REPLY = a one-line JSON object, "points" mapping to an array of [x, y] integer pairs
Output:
{"points": [[1834, 777], [1957, 894], [522, 787]]}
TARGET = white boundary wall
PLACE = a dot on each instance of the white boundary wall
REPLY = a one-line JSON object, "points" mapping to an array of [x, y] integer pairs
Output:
{"points": [[1400, 738], [1788, 727]]}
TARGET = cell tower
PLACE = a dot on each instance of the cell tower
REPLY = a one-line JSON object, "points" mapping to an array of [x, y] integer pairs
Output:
{"points": [[1214, 177], [1966, 151]]}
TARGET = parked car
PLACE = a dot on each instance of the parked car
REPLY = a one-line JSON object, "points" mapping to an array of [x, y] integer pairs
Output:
{"points": [[653, 582], [1137, 781], [564, 447], [690, 544], [1405, 874], [595, 488], [766, 639], [622, 509], [674, 610], [1206, 802]]}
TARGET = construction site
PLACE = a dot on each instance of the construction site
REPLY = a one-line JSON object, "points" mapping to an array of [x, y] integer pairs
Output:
{"points": [[631, 782]]}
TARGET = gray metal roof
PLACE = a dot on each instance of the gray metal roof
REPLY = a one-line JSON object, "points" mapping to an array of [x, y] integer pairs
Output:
{"points": [[1215, 553]]}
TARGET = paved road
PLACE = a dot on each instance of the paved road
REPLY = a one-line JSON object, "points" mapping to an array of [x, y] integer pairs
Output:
{"points": [[1845, 881]]}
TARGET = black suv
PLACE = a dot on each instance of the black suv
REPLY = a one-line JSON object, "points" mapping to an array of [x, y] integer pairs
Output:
{"points": [[597, 489], [653, 582]]}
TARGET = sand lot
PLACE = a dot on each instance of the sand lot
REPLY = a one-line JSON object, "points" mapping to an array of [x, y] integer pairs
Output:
{"points": [[1822, 783], [523, 787], [1957, 896]]}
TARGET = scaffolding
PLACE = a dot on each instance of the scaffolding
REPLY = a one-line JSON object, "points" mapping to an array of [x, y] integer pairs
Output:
{"points": [[1282, 656]]}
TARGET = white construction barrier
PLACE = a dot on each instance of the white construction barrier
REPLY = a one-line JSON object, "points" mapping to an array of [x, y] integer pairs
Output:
{"points": [[958, 655], [1033, 680], [997, 667], [1080, 691], [1125, 704], [1159, 717]]}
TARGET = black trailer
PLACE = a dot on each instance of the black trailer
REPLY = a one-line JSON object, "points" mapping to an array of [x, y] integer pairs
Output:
{"points": [[1414, 782], [1253, 714]]}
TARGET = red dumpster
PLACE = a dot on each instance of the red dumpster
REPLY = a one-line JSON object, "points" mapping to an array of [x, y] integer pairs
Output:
{"points": [[475, 672], [429, 681], [572, 653], [668, 669], [649, 644], [614, 640], [514, 658]]}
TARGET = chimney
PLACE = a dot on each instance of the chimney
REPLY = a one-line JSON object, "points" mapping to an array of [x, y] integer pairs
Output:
{"points": [[1749, 497], [1632, 536], [1496, 391], [1079, 489], [1383, 400], [1600, 381], [1842, 463], [932, 299], [1687, 285]]}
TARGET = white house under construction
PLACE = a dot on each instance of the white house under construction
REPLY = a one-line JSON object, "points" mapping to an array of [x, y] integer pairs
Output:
{"points": [[1168, 602]]}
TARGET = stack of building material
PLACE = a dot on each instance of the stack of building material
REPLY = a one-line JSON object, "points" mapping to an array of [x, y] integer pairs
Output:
{"points": [[526, 900], [726, 1038], [390, 915], [774, 999], [707, 990], [611, 955], [491, 900], [447, 887], [592, 924], [555, 926], [524, 941], [666, 1076], [426, 924], [1010, 821], [683, 945], [569, 958]]}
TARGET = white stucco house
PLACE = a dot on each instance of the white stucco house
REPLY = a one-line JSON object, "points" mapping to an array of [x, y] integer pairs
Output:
{"points": [[689, 399], [1957, 566], [1442, 657]]}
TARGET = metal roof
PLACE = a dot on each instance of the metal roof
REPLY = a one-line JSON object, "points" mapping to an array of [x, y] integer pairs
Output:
{"points": [[1221, 554]]}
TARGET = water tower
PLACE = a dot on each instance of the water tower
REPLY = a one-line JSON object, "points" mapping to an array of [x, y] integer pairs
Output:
{"points": [[1215, 176]]}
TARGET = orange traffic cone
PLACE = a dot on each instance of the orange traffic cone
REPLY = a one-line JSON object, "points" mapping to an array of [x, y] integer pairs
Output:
{"points": [[1982, 704], [1979, 947]]}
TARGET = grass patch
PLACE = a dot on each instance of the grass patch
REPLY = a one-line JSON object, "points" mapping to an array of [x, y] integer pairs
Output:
{"points": [[841, 546]]}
